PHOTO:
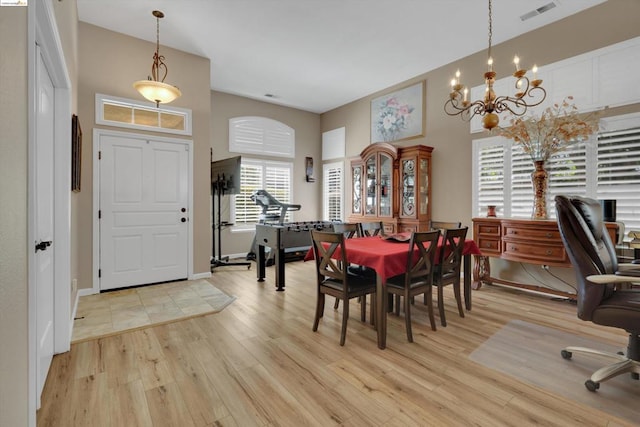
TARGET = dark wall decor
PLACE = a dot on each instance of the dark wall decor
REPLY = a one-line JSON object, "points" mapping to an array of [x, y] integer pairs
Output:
{"points": [[308, 165], [76, 153]]}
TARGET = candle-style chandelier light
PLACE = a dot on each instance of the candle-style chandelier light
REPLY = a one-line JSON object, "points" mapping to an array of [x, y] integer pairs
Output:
{"points": [[154, 88], [527, 93]]}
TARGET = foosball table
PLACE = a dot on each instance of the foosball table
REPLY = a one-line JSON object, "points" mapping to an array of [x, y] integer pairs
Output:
{"points": [[283, 238]]}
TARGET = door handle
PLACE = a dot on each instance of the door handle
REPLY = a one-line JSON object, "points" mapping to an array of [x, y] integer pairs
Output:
{"points": [[42, 246], [183, 219]]}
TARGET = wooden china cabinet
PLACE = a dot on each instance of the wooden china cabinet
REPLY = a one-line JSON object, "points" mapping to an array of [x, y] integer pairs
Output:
{"points": [[392, 185]]}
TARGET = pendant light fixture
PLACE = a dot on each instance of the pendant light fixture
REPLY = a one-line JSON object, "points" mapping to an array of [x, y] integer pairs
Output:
{"points": [[154, 88], [527, 93]]}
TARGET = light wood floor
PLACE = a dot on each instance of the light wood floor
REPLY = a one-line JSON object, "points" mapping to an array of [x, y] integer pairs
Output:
{"points": [[257, 363]]}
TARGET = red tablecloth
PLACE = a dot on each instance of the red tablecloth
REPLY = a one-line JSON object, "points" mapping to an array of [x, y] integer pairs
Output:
{"points": [[388, 258]]}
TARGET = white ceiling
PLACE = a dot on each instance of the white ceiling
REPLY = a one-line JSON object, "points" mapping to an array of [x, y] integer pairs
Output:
{"points": [[317, 55]]}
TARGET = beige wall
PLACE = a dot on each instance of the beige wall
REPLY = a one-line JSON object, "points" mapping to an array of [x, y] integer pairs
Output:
{"points": [[110, 63], [308, 144], [13, 217], [612, 22]]}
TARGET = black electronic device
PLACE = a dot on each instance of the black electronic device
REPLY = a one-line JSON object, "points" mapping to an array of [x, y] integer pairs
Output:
{"points": [[225, 174], [225, 179]]}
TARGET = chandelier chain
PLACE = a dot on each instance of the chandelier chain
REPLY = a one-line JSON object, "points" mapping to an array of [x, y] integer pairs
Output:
{"points": [[490, 28]]}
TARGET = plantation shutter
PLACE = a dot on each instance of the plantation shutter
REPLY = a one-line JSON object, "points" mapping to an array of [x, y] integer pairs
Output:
{"points": [[246, 210], [332, 192], [618, 169], [490, 178], [274, 177], [521, 188]]}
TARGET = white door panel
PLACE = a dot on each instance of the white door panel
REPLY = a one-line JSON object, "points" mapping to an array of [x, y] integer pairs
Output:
{"points": [[44, 180], [144, 218]]}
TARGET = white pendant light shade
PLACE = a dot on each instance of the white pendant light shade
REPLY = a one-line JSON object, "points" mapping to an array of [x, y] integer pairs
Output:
{"points": [[154, 89], [158, 92]]}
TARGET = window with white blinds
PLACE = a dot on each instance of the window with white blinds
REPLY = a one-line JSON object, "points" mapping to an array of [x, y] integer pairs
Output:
{"points": [[274, 177], [618, 171], [604, 167], [332, 191]]}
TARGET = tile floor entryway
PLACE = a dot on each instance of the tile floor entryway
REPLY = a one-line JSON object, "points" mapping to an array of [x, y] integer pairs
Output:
{"points": [[116, 311]]}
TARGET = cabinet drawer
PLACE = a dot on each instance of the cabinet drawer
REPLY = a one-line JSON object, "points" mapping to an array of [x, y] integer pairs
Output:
{"points": [[488, 229], [488, 246], [541, 254], [540, 234]]}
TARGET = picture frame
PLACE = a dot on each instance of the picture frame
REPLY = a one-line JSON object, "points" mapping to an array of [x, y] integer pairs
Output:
{"points": [[76, 153], [399, 115]]}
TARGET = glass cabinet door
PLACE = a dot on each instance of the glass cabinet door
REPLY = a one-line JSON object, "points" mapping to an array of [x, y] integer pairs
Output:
{"points": [[424, 186], [408, 204], [370, 191], [386, 185], [356, 172]]}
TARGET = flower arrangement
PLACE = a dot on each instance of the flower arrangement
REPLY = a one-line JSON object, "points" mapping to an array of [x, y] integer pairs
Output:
{"points": [[392, 118], [557, 128]]}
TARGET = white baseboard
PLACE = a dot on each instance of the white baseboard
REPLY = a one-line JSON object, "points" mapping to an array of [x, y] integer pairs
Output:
{"points": [[204, 275], [87, 291]]}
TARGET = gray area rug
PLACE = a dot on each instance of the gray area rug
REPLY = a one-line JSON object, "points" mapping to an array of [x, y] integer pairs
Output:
{"points": [[531, 353]]}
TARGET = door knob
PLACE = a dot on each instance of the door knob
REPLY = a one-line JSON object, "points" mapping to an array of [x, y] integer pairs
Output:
{"points": [[183, 219], [42, 246], [183, 210]]}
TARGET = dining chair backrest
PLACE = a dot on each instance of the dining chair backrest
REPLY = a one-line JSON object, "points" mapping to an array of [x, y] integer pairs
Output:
{"points": [[374, 228], [325, 245], [443, 225], [420, 264], [450, 257], [348, 229]]}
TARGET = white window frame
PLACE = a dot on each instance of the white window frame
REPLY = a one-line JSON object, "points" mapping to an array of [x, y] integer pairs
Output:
{"points": [[327, 190], [264, 164], [102, 99]]}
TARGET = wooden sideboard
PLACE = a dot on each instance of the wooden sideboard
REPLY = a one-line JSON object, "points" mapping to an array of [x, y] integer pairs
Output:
{"points": [[527, 241]]}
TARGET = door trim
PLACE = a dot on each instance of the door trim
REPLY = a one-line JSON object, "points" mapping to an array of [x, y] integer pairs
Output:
{"points": [[97, 133], [42, 30]]}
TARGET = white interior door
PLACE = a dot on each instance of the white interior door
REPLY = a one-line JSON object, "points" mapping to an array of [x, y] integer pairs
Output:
{"points": [[44, 180], [144, 200]]}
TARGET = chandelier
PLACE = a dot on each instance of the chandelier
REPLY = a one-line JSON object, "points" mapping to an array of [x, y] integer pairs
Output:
{"points": [[527, 93], [154, 88]]}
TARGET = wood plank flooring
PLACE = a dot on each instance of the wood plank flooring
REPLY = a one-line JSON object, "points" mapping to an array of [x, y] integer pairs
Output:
{"points": [[257, 363]]}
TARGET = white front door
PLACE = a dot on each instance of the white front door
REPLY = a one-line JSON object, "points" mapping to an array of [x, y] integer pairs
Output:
{"points": [[144, 201], [44, 244]]}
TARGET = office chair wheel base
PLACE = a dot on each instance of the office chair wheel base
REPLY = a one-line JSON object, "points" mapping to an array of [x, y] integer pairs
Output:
{"points": [[567, 355], [591, 385]]}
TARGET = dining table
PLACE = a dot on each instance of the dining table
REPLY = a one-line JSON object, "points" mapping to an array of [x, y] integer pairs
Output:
{"points": [[388, 257]]}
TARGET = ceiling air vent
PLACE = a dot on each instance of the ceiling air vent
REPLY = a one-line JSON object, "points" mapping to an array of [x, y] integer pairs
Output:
{"points": [[538, 11]]}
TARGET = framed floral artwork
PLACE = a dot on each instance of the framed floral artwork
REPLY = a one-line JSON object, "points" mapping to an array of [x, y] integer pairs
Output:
{"points": [[398, 115]]}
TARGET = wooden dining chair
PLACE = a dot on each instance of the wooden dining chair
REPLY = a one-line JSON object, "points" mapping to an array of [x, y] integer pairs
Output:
{"points": [[447, 270], [418, 277], [443, 225], [374, 228], [348, 229], [333, 279]]}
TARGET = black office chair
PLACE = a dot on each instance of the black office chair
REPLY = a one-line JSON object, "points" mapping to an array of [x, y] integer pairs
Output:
{"points": [[603, 294]]}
